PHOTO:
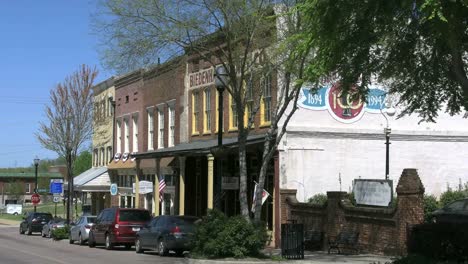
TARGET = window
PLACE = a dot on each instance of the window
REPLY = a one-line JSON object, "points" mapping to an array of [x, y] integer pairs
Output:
{"points": [[232, 114], [28, 188], [126, 136], [102, 162], [109, 154], [135, 134], [119, 136], [150, 130], [103, 109], [171, 126], [161, 128], [95, 157], [207, 108], [265, 108], [248, 100], [195, 107]]}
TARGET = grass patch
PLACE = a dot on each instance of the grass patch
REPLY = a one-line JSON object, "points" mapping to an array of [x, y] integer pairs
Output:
{"points": [[43, 208]]}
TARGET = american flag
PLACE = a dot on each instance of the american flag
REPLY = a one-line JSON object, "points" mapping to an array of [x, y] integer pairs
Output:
{"points": [[162, 186]]}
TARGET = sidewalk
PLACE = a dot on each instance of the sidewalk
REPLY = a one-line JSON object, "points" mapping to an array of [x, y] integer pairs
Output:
{"points": [[6, 222], [315, 257]]}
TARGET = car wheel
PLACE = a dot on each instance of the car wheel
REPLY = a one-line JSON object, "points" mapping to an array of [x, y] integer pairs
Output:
{"points": [[49, 234], [162, 249], [109, 244], [15, 213], [91, 242], [42, 233], [21, 231], [138, 248], [82, 242], [71, 241], [29, 230]]}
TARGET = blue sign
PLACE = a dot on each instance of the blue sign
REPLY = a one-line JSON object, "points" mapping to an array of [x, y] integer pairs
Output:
{"points": [[113, 189], [56, 187]]}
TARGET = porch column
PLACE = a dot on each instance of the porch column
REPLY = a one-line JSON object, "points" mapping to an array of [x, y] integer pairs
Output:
{"points": [[182, 186], [210, 181], [137, 184], [156, 188], [276, 202]]}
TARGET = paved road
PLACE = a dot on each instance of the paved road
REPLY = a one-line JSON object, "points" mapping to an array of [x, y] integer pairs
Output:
{"points": [[23, 249]]}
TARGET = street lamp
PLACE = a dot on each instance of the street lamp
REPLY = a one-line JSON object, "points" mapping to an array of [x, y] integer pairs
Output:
{"points": [[390, 111], [36, 163], [221, 80]]}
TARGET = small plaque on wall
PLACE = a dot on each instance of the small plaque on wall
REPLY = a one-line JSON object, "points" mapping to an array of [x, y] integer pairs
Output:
{"points": [[373, 192]]}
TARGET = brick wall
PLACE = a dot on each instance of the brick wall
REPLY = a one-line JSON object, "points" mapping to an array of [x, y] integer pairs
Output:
{"points": [[381, 230]]}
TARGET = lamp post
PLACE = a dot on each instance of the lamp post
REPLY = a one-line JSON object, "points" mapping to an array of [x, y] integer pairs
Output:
{"points": [[390, 111], [220, 83], [36, 163]]}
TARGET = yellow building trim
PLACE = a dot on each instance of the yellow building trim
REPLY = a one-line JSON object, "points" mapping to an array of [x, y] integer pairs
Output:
{"points": [[194, 113]]}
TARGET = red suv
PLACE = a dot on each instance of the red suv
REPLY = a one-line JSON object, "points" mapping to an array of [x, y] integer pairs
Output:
{"points": [[117, 226]]}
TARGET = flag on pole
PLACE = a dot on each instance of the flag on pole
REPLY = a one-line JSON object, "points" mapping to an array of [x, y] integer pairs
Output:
{"points": [[162, 186], [265, 195]]}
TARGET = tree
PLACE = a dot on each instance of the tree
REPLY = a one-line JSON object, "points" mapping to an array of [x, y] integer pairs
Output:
{"points": [[14, 189], [239, 35], [418, 48], [69, 119], [83, 162]]}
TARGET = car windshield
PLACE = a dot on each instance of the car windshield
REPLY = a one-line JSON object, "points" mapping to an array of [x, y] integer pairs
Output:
{"points": [[134, 215], [43, 216]]}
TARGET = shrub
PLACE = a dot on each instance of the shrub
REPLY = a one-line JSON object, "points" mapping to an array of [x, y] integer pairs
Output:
{"points": [[430, 205], [61, 233], [450, 196], [414, 259], [318, 199], [218, 236]]}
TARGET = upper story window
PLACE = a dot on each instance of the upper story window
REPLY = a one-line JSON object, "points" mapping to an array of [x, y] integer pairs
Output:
{"points": [[109, 154], [126, 136], [248, 99], [265, 107], [119, 136], [135, 133], [232, 114], [171, 126], [161, 128], [102, 160], [195, 113], [27, 188], [207, 110], [150, 129], [95, 157]]}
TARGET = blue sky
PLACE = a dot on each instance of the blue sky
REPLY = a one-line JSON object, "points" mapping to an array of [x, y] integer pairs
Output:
{"points": [[41, 43]]}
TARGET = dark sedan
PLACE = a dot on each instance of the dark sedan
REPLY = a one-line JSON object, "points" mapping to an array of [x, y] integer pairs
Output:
{"points": [[166, 232], [455, 212], [33, 222]]}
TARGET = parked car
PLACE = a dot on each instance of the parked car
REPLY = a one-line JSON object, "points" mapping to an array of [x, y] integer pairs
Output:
{"points": [[166, 232], [117, 226], [455, 212], [14, 209], [53, 224], [79, 231], [33, 222]]}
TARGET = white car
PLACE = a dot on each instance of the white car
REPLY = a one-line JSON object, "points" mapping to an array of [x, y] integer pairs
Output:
{"points": [[79, 231], [14, 209]]}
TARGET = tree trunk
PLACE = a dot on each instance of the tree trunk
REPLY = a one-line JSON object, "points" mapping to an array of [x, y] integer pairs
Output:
{"points": [[244, 207]]}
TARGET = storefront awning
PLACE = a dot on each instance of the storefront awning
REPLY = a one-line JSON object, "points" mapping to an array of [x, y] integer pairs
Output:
{"points": [[199, 147], [120, 164], [93, 180]]}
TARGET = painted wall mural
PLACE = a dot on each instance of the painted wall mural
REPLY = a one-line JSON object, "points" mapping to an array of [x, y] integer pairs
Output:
{"points": [[344, 108]]}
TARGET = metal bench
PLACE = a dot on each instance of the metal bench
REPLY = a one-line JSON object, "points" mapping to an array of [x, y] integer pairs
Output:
{"points": [[313, 239], [345, 239]]}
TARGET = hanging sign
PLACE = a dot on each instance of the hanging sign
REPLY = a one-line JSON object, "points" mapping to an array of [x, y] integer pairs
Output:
{"points": [[345, 108]]}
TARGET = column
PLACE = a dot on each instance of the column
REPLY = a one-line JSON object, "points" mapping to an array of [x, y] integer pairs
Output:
{"points": [[156, 189], [137, 184], [210, 181], [182, 186], [276, 202]]}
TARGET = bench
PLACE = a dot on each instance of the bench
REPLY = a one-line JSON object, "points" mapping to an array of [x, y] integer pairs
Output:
{"points": [[345, 239], [313, 239]]}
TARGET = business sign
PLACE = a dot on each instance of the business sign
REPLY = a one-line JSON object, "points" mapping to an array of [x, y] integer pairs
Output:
{"points": [[113, 189], [373, 192], [345, 108], [201, 78], [56, 186], [230, 183], [144, 187]]}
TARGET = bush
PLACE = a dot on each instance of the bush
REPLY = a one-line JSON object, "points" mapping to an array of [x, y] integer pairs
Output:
{"points": [[414, 259], [218, 236], [430, 205], [61, 233], [318, 199], [450, 196]]}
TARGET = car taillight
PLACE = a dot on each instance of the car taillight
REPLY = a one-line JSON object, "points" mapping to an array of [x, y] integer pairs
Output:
{"points": [[175, 230], [87, 226]]}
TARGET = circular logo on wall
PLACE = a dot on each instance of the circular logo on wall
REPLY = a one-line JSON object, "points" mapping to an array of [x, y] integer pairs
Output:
{"points": [[344, 107], [113, 189]]}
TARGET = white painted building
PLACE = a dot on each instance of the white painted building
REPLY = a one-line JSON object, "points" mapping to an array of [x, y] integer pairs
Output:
{"points": [[321, 146]]}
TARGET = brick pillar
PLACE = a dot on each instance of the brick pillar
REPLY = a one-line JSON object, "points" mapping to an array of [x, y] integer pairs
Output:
{"points": [[334, 213], [410, 208], [285, 213]]}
